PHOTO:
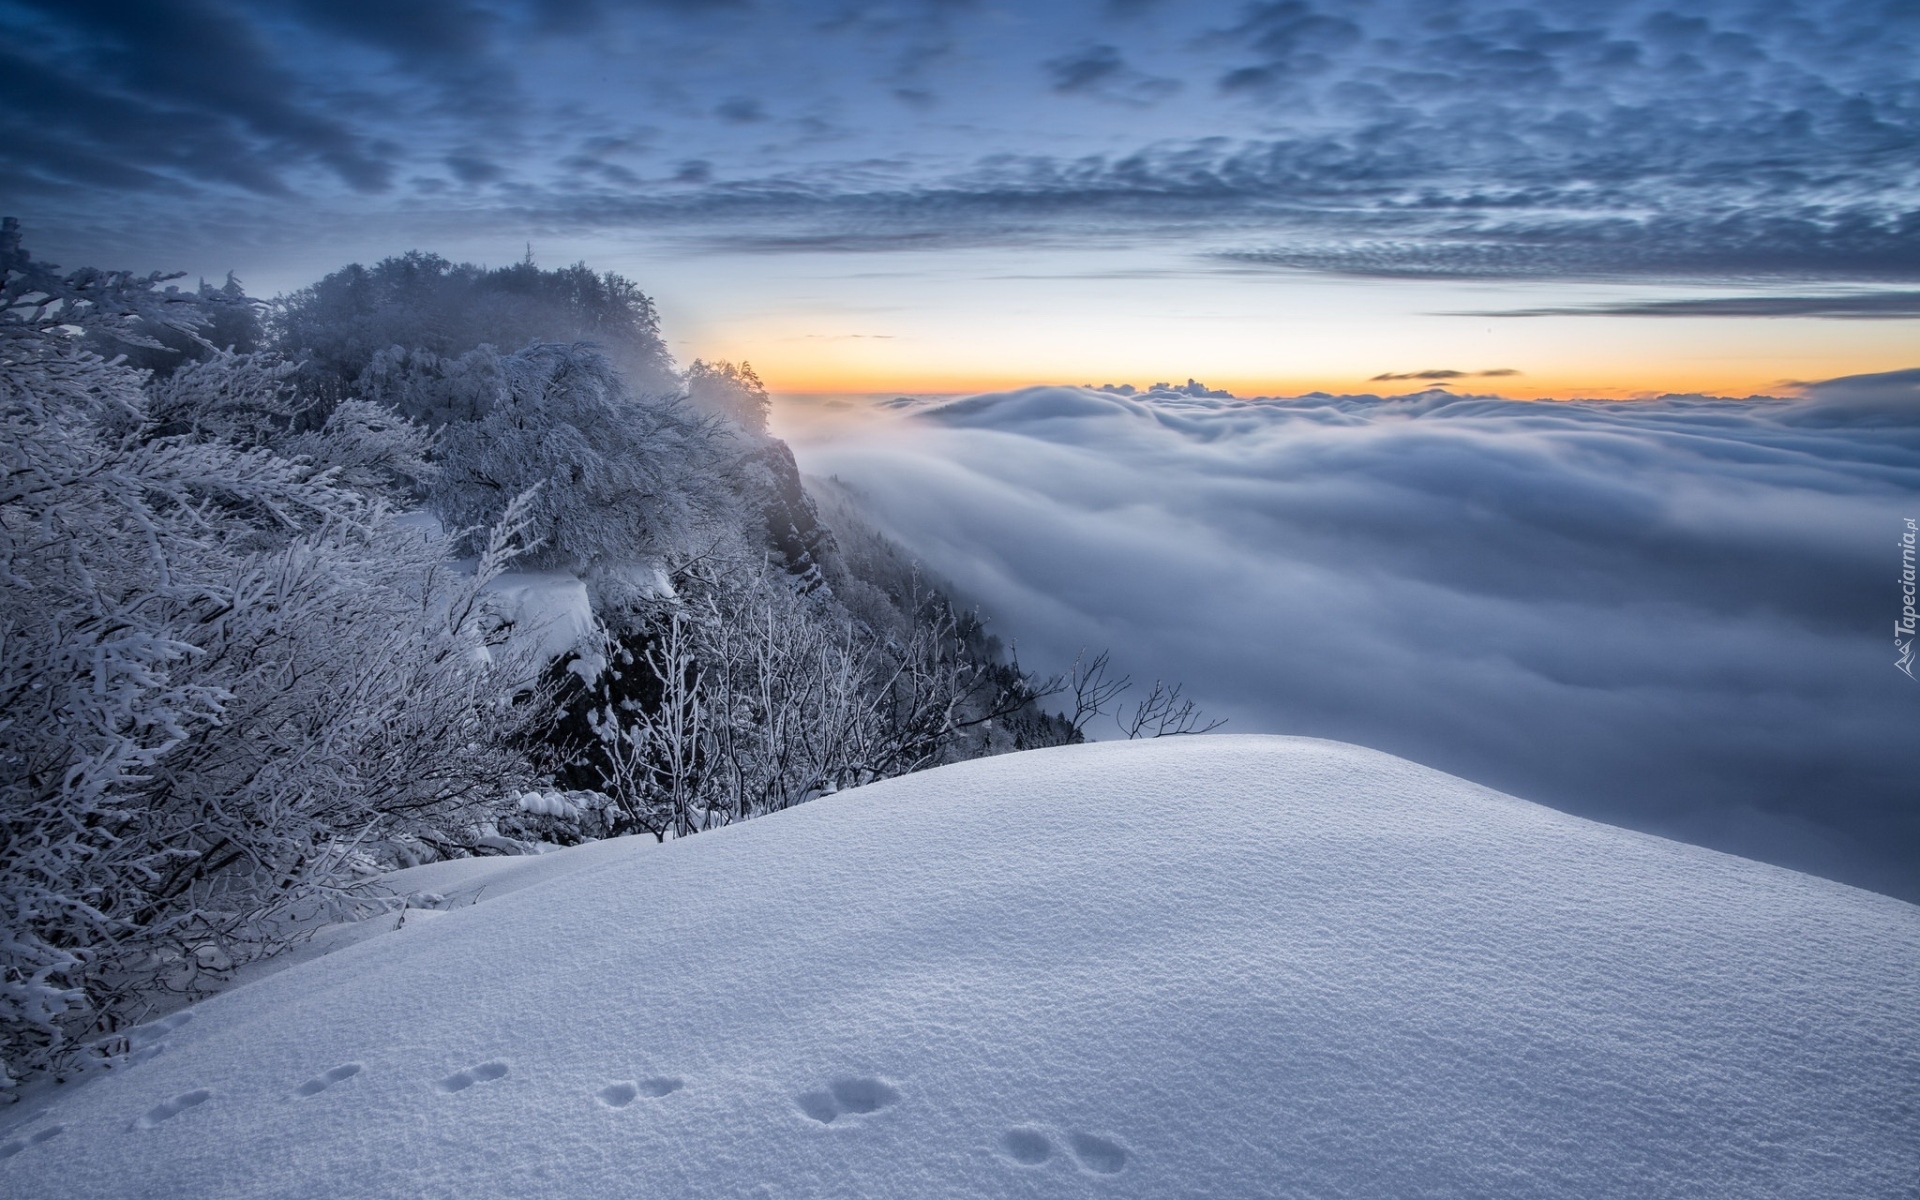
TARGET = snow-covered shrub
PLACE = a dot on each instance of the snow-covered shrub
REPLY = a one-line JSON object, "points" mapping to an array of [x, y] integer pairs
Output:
{"points": [[369, 447], [621, 478], [220, 674], [747, 692], [556, 817], [252, 400], [246, 399], [224, 320]]}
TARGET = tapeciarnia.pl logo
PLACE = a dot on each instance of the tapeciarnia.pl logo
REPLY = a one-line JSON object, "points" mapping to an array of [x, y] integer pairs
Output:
{"points": [[1903, 628]]}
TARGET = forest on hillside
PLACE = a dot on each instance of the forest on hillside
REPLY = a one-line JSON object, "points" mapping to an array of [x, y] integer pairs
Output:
{"points": [[266, 632]]}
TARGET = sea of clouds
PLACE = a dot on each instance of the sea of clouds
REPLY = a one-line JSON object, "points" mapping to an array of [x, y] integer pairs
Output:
{"points": [[1676, 615]]}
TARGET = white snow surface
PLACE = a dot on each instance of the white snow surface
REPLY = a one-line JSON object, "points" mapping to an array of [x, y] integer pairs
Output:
{"points": [[549, 612], [1201, 967]]}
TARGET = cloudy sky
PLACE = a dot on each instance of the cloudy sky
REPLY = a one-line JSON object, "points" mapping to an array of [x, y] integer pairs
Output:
{"points": [[1602, 198]]}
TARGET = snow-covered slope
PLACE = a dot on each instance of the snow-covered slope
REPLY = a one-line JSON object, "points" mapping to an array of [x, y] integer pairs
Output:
{"points": [[1212, 967]]}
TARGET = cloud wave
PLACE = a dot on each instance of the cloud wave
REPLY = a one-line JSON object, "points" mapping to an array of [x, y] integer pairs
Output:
{"points": [[1675, 614]]}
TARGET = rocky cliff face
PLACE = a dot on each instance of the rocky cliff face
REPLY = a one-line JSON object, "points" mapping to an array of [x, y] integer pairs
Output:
{"points": [[771, 487]]}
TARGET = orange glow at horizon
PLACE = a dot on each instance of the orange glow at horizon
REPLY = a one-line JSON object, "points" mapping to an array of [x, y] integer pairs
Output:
{"points": [[996, 321], [1641, 384]]}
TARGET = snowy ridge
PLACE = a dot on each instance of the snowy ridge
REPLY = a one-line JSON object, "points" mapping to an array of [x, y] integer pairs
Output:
{"points": [[1219, 967]]}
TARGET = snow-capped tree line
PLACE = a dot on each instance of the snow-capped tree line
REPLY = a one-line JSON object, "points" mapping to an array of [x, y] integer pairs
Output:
{"points": [[252, 654]]}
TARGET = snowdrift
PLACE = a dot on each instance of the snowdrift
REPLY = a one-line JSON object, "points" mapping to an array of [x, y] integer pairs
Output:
{"points": [[1207, 967]]}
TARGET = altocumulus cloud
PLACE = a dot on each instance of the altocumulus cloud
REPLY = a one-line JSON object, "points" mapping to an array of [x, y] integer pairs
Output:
{"points": [[1691, 139], [1674, 614]]}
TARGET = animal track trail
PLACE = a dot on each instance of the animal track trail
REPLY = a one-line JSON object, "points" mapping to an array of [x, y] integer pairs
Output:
{"points": [[172, 1108], [460, 1081], [619, 1095], [1031, 1147], [848, 1095], [33, 1139], [320, 1083]]}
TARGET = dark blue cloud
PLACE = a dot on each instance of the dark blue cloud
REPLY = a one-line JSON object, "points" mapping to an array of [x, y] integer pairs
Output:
{"points": [[1100, 71], [1084, 70], [1852, 242], [178, 86], [1294, 42], [1847, 306], [1687, 139], [740, 110], [421, 32], [475, 168]]}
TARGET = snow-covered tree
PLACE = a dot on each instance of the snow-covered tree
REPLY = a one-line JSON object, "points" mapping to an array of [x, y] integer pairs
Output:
{"points": [[622, 479], [732, 392], [423, 302], [431, 389], [223, 675]]}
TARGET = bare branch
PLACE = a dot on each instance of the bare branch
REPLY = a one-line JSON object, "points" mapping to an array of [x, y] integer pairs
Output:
{"points": [[1165, 713]]}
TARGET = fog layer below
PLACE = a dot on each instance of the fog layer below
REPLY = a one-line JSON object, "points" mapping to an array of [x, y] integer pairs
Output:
{"points": [[1675, 615]]}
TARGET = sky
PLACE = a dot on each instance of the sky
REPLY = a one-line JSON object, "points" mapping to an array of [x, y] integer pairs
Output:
{"points": [[1611, 199]]}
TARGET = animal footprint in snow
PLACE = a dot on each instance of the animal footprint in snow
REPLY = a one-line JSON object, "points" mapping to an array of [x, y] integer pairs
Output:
{"points": [[1028, 1147], [320, 1083], [145, 1041], [460, 1081], [857, 1095], [172, 1108], [1032, 1147], [153, 1031], [1100, 1155], [33, 1139], [619, 1095]]}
